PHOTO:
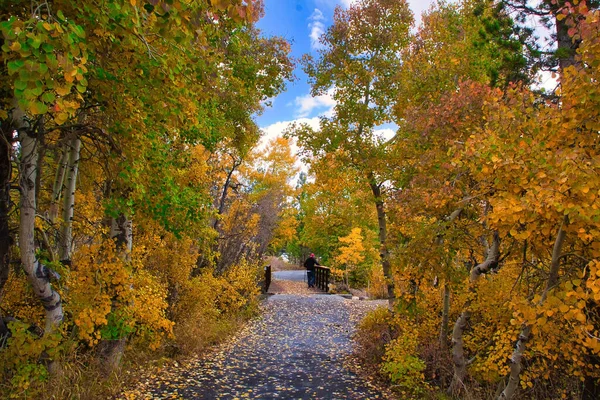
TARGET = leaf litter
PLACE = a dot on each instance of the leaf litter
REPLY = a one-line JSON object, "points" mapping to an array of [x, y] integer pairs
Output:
{"points": [[300, 348]]}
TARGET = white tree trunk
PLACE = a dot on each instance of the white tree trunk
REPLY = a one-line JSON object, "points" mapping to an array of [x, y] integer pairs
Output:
{"points": [[69, 201], [37, 274], [121, 229]]}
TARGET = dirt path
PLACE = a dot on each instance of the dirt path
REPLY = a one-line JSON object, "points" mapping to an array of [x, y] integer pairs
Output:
{"points": [[297, 350]]}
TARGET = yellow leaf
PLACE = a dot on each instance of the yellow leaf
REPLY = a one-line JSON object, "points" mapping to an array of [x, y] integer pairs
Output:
{"points": [[220, 4], [61, 118], [64, 90], [38, 108]]}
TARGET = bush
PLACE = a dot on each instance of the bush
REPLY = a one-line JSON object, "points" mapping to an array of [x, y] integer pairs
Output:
{"points": [[210, 307], [403, 366], [373, 335]]}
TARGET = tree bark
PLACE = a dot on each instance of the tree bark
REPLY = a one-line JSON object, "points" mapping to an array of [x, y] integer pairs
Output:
{"points": [[66, 244], [111, 351], [516, 360], [566, 47], [383, 250], [6, 239], [57, 187], [121, 229], [41, 153], [226, 185], [445, 317], [458, 352], [37, 274]]}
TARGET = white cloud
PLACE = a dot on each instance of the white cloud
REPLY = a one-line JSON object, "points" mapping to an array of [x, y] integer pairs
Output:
{"points": [[307, 104], [347, 3], [278, 128], [268, 102], [317, 28], [546, 81], [384, 134]]}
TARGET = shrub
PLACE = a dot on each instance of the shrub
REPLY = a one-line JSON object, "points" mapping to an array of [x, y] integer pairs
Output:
{"points": [[210, 306], [403, 366], [373, 334]]}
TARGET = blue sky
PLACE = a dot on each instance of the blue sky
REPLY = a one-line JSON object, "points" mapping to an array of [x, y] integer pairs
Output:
{"points": [[301, 22]]}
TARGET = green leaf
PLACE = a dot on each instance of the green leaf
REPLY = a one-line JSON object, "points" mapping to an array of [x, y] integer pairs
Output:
{"points": [[48, 97], [21, 85], [78, 30], [47, 47], [37, 91], [34, 42], [51, 61], [42, 68], [14, 66], [39, 108], [23, 103], [6, 26]]}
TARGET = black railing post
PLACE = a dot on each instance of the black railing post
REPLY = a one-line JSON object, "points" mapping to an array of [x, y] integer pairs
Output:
{"points": [[319, 273], [322, 278], [267, 278]]}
